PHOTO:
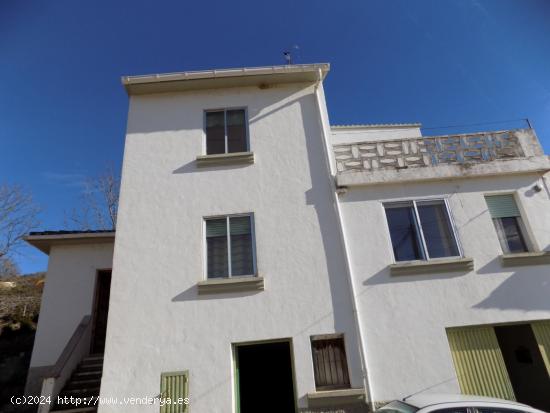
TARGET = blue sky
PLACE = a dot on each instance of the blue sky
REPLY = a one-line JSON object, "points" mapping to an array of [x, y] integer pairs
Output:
{"points": [[439, 62]]}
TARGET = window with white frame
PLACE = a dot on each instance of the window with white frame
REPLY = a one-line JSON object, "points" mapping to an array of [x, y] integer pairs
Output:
{"points": [[229, 246], [508, 224], [421, 230], [226, 131]]}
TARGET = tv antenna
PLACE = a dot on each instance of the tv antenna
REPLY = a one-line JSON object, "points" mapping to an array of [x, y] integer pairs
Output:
{"points": [[288, 58], [288, 54]]}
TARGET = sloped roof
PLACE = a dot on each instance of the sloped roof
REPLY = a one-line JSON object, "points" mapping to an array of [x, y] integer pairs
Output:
{"points": [[70, 232], [377, 125], [222, 78], [44, 240]]}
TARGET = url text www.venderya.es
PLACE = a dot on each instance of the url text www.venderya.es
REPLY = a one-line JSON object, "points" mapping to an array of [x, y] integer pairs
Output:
{"points": [[96, 400]]}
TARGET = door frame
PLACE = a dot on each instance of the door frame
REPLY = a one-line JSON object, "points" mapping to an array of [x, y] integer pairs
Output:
{"points": [[98, 273], [235, 362]]}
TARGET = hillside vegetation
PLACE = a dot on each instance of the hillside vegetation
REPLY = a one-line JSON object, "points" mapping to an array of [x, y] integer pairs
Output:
{"points": [[20, 300], [19, 307]]}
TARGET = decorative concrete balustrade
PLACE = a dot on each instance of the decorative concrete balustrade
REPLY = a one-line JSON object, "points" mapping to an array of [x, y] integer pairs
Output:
{"points": [[429, 151], [438, 157]]}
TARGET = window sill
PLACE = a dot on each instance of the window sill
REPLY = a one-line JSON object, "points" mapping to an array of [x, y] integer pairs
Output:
{"points": [[231, 285], [335, 398], [434, 266], [525, 258], [225, 159]]}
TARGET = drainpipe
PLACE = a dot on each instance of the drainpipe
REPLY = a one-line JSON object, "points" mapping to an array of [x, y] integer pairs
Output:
{"points": [[325, 127], [545, 183]]}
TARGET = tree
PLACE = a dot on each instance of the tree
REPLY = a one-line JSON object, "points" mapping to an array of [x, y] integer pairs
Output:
{"points": [[98, 203], [18, 216], [8, 268]]}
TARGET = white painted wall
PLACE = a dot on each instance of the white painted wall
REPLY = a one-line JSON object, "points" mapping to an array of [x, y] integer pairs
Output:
{"points": [[68, 296], [405, 316], [373, 133], [157, 322]]}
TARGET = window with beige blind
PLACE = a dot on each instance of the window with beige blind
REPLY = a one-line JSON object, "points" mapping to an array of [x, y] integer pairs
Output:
{"points": [[508, 223], [329, 362]]}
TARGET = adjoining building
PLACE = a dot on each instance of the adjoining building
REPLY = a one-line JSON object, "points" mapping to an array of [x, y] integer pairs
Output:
{"points": [[266, 261], [449, 240]]}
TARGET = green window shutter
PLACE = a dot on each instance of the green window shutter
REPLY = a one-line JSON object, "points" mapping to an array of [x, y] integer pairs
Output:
{"points": [[174, 385], [502, 206], [216, 227], [479, 363], [239, 225], [542, 334]]}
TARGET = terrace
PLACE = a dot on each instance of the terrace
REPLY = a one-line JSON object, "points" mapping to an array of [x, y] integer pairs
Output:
{"points": [[414, 159]]}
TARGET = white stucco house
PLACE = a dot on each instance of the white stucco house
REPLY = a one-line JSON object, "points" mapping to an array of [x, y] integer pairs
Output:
{"points": [[266, 261]]}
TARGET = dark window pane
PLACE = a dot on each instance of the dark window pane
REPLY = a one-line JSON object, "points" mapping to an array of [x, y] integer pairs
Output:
{"points": [[329, 364], [241, 246], [216, 246], [437, 230], [215, 133], [513, 237], [236, 131], [403, 232]]}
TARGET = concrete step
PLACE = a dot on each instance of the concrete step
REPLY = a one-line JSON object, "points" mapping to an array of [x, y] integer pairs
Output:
{"points": [[84, 384], [91, 363], [86, 375], [90, 367], [82, 392], [78, 384], [94, 357]]}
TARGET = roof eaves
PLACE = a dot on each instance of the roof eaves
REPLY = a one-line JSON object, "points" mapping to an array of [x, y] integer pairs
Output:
{"points": [[217, 78], [70, 232], [377, 126], [232, 72], [46, 239]]}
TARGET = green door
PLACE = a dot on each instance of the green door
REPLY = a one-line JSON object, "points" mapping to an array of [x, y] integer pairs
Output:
{"points": [[174, 386], [478, 362], [542, 334]]}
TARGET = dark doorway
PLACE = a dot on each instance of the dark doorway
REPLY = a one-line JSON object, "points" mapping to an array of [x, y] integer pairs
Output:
{"points": [[264, 378], [101, 311], [525, 365]]}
